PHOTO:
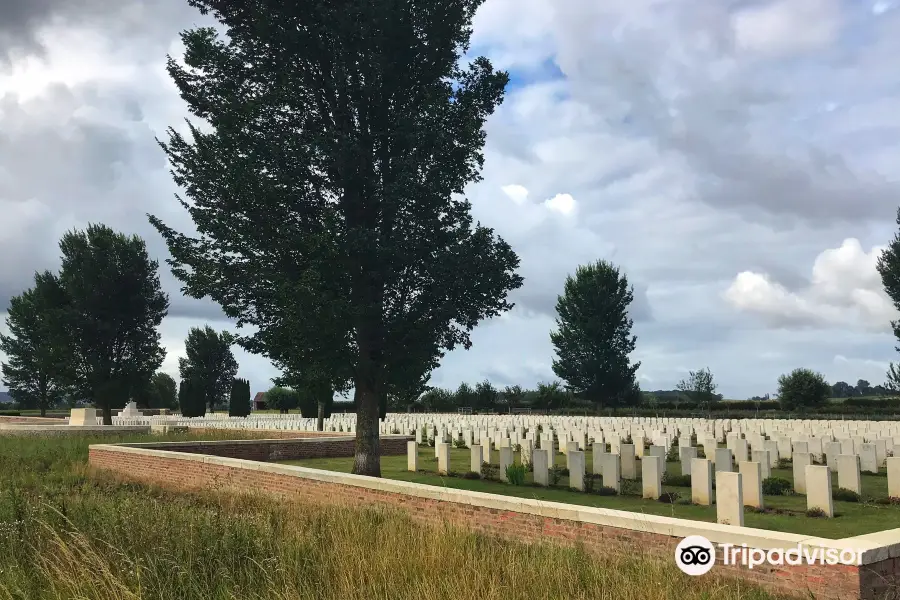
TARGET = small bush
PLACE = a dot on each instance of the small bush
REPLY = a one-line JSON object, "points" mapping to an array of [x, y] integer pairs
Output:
{"points": [[555, 474], [673, 454], [783, 463], [459, 443], [776, 486], [490, 472], [845, 495], [816, 513], [669, 497], [472, 475], [892, 500], [631, 487], [515, 474], [606, 491], [676, 480]]}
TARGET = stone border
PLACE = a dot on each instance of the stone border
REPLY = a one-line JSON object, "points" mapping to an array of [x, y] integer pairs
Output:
{"points": [[17, 429], [599, 528]]}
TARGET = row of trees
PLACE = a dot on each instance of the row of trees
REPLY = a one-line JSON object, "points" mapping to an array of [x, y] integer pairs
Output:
{"points": [[90, 332]]}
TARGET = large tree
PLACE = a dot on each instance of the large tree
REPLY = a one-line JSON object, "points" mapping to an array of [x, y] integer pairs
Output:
{"points": [[35, 369], [239, 402], [326, 186], [114, 307], [699, 386], [209, 362], [164, 391], [593, 341], [801, 389]]}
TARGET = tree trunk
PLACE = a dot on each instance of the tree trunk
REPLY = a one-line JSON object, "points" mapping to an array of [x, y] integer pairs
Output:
{"points": [[368, 449], [43, 410], [107, 412], [320, 424]]}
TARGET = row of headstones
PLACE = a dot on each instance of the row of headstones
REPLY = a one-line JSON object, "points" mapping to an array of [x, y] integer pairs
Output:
{"points": [[734, 490]]}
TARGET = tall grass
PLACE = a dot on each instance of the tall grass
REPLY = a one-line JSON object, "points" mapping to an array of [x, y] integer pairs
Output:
{"points": [[67, 534]]}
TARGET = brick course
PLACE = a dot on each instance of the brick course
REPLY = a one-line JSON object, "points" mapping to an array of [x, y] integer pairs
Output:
{"points": [[291, 446], [823, 582]]}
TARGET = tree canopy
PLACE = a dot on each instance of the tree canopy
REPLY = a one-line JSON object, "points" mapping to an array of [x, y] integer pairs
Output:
{"points": [[593, 340], [113, 307], [239, 402], [699, 386], [35, 369], [802, 388], [326, 189], [210, 364]]}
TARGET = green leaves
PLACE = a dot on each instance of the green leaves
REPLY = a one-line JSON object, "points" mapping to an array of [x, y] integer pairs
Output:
{"points": [[594, 338], [35, 371], [802, 388], [92, 330], [209, 364], [239, 402], [325, 192]]}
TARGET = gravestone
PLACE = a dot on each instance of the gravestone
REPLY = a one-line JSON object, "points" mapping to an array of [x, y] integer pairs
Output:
{"points": [[801, 460], [818, 489], [412, 456], [848, 472], [751, 483], [576, 469], [729, 498], [477, 458], [701, 481], [541, 467], [686, 454], [443, 458], [652, 468]]}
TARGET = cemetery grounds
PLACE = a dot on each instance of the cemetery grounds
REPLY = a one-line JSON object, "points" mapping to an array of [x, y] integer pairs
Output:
{"points": [[69, 533]]}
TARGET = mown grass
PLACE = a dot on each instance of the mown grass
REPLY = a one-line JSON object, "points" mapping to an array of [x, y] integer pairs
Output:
{"points": [[66, 533], [851, 518]]}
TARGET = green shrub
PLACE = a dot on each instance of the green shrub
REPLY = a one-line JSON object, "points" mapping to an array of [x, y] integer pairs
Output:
{"points": [[490, 472], [816, 513], [892, 500], [472, 475], [669, 497], [676, 480], [515, 474], [459, 443], [555, 474], [606, 491], [845, 495], [776, 486], [673, 454]]}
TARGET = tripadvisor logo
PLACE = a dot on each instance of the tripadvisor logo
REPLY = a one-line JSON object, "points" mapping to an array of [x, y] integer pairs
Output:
{"points": [[695, 555]]}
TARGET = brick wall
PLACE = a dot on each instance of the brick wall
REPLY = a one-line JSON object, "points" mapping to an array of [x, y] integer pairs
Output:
{"points": [[821, 581], [293, 446]]}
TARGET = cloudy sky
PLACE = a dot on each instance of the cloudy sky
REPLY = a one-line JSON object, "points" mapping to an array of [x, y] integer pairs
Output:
{"points": [[737, 158]]}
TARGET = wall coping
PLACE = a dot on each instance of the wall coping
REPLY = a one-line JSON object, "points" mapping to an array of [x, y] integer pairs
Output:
{"points": [[74, 428], [875, 547]]}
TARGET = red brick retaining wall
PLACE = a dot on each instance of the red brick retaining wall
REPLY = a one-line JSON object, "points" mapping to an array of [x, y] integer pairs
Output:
{"points": [[822, 581], [299, 445]]}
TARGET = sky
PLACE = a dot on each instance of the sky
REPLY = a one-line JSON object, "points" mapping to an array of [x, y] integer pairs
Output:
{"points": [[737, 159]]}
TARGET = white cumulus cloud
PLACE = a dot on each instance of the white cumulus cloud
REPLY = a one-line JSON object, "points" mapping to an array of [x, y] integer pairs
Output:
{"points": [[845, 290]]}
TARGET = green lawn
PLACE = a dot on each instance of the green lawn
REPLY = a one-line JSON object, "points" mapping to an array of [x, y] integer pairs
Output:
{"points": [[851, 518]]}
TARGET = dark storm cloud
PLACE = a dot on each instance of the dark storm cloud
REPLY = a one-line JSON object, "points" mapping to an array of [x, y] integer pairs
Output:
{"points": [[129, 22]]}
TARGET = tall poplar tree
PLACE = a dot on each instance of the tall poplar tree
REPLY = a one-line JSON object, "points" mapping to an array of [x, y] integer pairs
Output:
{"points": [[593, 340], [326, 187], [209, 363]]}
